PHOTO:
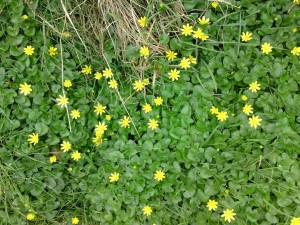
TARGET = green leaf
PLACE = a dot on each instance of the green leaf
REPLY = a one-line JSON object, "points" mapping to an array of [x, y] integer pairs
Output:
{"points": [[41, 128]]}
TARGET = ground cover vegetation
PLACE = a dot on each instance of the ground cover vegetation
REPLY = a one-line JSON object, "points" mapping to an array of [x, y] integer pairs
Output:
{"points": [[149, 112]]}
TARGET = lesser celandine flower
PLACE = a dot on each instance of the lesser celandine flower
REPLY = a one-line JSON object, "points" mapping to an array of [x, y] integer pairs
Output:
{"points": [[214, 110], [113, 84], [87, 70], [144, 51], [75, 220], [174, 74], [29, 50], [214, 4], [108, 117], [212, 205], [30, 216], [198, 33], [295, 30], [114, 177], [67, 83], [295, 221], [296, 1], [76, 155], [228, 215], [100, 128], [159, 175], [147, 108], [185, 63], [107, 73], [25, 17], [296, 51], [146, 81], [203, 20], [222, 116], [97, 140], [98, 75], [186, 30], [99, 109], [52, 159], [192, 59], [138, 85], [152, 124], [62, 101], [66, 146], [247, 109], [254, 121], [158, 101], [143, 21], [246, 36], [33, 138], [266, 48], [147, 210], [244, 98], [171, 55], [52, 51], [75, 114], [125, 122], [254, 86], [25, 88]]}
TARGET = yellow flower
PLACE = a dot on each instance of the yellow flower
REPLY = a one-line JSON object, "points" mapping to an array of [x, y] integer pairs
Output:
{"points": [[76, 155], [296, 51], [246, 36], [97, 140], [222, 116], [108, 117], [87, 70], [66, 146], [98, 75], [147, 210], [113, 84], [254, 86], [296, 1], [33, 138], [244, 98], [114, 177], [214, 110], [100, 128], [99, 109], [107, 73], [75, 114], [67, 83], [52, 159], [228, 215], [66, 35], [185, 63], [75, 220], [125, 122], [254, 121], [215, 4], [158, 101], [144, 51], [138, 85], [247, 109], [152, 124], [212, 205], [192, 59], [295, 30], [146, 81], [198, 33], [147, 108], [25, 88], [62, 101], [52, 51], [25, 17], [187, 30], [203, 20], [143, 21], [30, 216], [174, 74], [171, 55], [28, 50], [159, 175], [266, 48], [295, 221]]}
